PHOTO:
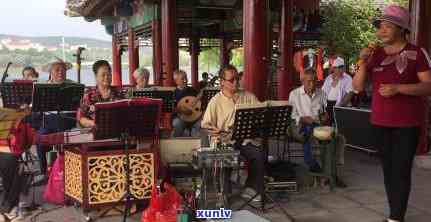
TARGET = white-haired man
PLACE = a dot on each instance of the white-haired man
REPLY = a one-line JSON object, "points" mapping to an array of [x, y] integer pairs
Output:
{"points": [[181, 91]]}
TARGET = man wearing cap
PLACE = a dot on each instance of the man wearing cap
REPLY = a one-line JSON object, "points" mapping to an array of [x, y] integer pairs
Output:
{"points": [[338, 86], [400, 74]]}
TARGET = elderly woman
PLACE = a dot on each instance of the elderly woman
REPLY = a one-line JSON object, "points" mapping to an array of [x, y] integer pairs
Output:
{"points": [[141, 75], [29, 73], [103, 92]]}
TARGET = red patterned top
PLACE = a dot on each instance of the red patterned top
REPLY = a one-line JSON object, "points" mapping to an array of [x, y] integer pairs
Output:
{"points": [[93, 96], [403, 68]]}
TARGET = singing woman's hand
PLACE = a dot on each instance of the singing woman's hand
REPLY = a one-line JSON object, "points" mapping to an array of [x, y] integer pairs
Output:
{"points": [[365, 53], [388, 90]]}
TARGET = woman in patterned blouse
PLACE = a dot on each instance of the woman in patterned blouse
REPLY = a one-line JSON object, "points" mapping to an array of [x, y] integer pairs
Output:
{"points": [[103, 92]]}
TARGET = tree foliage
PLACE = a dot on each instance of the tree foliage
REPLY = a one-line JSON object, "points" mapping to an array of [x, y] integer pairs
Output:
{"points": [[348, 25], [209, 60]]}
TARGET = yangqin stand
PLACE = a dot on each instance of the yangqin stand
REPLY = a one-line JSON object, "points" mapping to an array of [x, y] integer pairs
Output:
{"points": [[107, 168]]}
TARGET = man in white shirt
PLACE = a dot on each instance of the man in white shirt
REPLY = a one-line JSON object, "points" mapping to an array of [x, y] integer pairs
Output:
{"points": [[337, 87], [308, 103], [308, 110]]}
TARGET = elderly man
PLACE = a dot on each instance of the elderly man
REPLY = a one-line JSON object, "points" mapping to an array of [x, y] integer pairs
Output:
{"points": [[337, 87], [308, 107], [204, 82], [218, 120], [307, 103], [181, 91]]}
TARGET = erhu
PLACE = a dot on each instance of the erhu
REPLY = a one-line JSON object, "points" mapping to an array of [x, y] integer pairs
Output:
{"points": [[5, 75], [78, 62]]}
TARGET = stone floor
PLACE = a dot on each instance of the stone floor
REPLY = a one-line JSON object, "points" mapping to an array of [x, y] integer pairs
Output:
{"points": [[363, 201]]}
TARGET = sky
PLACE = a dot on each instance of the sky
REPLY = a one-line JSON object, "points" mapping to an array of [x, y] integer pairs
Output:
{"points": [[45, 18]]}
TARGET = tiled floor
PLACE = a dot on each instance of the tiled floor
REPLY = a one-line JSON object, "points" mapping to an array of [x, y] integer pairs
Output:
{"points": [[363, 201]]}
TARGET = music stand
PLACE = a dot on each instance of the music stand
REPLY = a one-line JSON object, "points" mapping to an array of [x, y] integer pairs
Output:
{"points": [[17, 93], [278, 118], [167, 97], [125, 119], [207, 95], [262, 121], [48, 97], [56, 97]]}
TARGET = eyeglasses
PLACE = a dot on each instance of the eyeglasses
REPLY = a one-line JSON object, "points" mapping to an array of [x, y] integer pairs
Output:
{"points": [[231, 80]]}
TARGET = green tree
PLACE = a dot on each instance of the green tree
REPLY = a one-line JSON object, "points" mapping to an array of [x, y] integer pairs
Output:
{"points": [[347, 26], [209, 59], [404, 3], [237, 58]]}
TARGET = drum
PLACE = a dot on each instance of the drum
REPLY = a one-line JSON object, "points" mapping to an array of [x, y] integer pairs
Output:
{"points": [[323, 133]]}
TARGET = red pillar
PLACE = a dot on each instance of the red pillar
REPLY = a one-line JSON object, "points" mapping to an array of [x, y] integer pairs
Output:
{"points": [[133, 56], [157, 52], [169, 41], [224, 53], [421, 12], [116, 63], [194, 54], [285, 62], [255, 46]]}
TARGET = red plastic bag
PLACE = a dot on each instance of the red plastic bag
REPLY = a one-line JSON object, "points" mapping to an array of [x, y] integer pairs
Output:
{"points": [[21, 138], [54, 191], [163, 206]]}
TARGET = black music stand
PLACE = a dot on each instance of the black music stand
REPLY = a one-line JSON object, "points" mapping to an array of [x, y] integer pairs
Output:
{"points": [[166, 96], [126, 119], [48, 97], [207, 95], [262, 122], [56, 97], [17, 93]]}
